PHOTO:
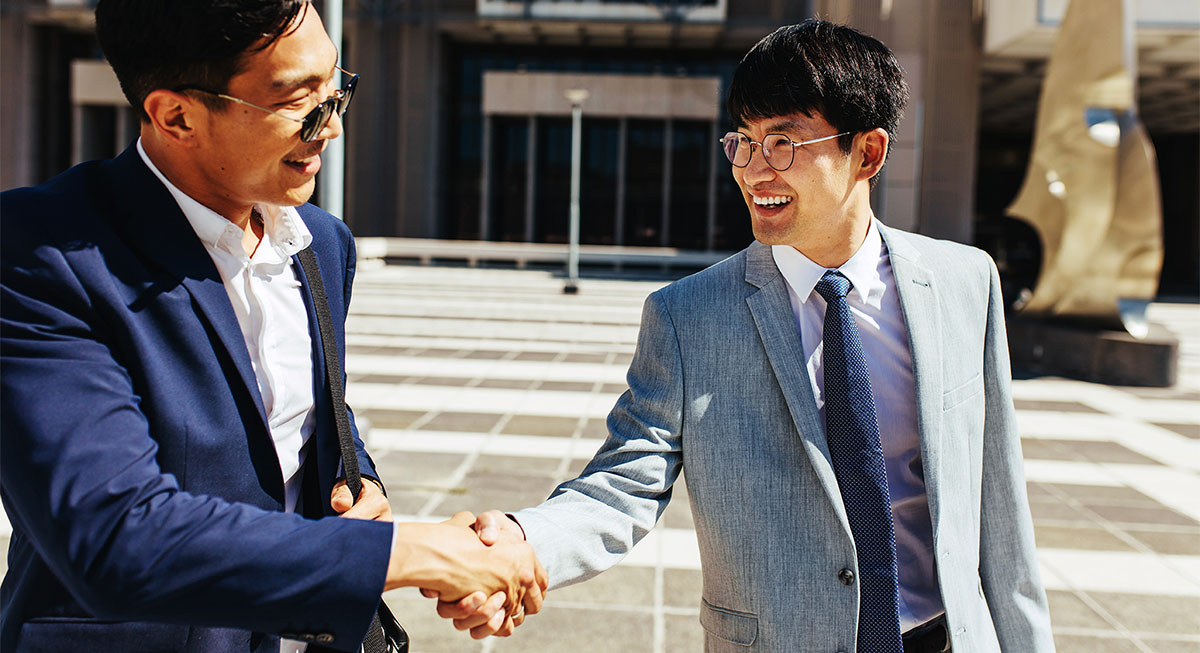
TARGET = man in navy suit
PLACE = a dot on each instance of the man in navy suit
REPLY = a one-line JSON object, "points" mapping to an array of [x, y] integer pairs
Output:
{"points": [[170, 457]]}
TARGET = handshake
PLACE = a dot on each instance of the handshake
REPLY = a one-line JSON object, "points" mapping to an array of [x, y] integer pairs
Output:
{"points": [[482, 571]]}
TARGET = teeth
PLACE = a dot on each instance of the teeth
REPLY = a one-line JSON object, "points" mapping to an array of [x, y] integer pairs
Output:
{"points": [[768, 201]]}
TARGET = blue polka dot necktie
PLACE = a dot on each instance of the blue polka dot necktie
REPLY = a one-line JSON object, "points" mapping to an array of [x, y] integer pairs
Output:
{"points": [[857, 455]]}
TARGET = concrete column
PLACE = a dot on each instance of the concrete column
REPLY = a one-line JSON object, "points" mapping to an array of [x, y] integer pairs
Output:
{"points": [[485, 181], [665, 231], [530, 177], [622, 153], [17, 132]]}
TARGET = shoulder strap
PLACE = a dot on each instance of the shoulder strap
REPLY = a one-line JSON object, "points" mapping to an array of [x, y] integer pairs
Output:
{"points": [[384, 633], [333, 370]]}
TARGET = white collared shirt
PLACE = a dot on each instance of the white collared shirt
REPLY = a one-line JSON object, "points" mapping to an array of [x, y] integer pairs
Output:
{"points": [[876, 308], [266, 296]]}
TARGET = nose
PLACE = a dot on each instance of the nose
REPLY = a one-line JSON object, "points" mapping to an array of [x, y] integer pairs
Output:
{"points": [[757, 170], [332, 128]]}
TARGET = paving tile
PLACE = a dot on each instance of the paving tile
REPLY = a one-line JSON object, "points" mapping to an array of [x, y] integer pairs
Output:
{"points": [[1186, 430], [446, 381], [593, 631], [561, 427], [682, 588], [1095, 451], [517, 464], [1091, 494], [683, 633], [566, 386], [517, 384], [1116, 643], [625, 586], [536, 356], [1069, 611], [416, 469], [623, 360], [614, 388], [1168, 542], [1079, 537], [409, 501], [576, 467], [1059, 406], [1143, 515], [595, 428], [485, 355], [1056, 511], [481, 499], [435, 352], [389, 379], [466, 422], [384, 418], [585, 358], [501, 481], [1152, 614], [1191, 645]]}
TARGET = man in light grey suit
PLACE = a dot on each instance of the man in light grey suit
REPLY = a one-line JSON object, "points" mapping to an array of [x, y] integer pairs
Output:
{"points": [[739, 381]]}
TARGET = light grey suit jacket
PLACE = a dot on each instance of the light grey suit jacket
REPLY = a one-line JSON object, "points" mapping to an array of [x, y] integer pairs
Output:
{"points": [[718, 386]]}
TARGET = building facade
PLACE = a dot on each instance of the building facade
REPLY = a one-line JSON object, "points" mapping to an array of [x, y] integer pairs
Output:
{"points": [[460, 130]]}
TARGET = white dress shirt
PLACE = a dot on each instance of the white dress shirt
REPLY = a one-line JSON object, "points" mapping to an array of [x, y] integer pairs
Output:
{"points": [[265, 293], [876, 308]]}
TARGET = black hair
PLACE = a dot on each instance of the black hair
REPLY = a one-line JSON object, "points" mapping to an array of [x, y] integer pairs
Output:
{"points": [[153, 44], [851, 79]]}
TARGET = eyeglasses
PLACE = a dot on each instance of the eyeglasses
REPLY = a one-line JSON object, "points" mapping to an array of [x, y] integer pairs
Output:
{"points": [[314, 121], [778, 150]]}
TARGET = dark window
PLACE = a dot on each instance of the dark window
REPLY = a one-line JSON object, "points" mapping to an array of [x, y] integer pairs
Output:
{"points": [[691, 156], [598, 181], [644, 182], [510, 160]]}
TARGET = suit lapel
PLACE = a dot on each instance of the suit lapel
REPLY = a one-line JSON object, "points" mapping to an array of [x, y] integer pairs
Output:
{"points": [[920, 305], [156, 227], [776, 324]]}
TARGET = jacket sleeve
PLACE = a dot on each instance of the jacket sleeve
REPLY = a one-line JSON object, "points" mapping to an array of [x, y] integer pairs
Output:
{"points": [[80, 479], [590, 523], [1008, 565]]}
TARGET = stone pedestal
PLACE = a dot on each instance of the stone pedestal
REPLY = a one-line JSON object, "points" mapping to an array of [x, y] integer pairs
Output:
{"points": [[1099, 356]]}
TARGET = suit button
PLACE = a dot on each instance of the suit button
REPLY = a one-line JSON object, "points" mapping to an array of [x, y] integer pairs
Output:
{"points": [[324, 638], [846, 576]]}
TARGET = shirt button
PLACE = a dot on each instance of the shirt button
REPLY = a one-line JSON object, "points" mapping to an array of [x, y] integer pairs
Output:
{"points": [[846, 576]]}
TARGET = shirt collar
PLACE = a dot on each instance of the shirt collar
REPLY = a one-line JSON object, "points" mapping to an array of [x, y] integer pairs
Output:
{"points": [[283, 229], [862, 269]]}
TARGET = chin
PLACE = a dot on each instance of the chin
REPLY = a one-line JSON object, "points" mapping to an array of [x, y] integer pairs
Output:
{"points": [[300, 195]]}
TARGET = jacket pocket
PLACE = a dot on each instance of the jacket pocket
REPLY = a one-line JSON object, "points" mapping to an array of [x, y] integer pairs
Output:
{"points": [[962, 392], [53, 634], [735, 627]]}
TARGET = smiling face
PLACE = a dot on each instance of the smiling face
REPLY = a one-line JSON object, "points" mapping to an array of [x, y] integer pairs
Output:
{"points": [[819, 203], [246, 156]]}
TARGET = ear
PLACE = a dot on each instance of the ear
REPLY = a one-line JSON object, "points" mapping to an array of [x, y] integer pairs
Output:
{"points": [[174, 116], [874, 146]]}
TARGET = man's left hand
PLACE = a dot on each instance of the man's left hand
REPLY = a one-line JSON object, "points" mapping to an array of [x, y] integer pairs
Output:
{"points": [[371, 504]]}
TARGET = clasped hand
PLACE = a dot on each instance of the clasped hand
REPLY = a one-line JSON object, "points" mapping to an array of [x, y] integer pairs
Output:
{"points": [[484, 574]]}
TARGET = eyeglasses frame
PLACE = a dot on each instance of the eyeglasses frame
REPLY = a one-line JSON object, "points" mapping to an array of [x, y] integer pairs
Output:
{"points": [[795, 144], [339, 101]]}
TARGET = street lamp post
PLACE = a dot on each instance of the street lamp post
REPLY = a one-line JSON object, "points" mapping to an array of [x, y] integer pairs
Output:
{"points": [[576, 97]]}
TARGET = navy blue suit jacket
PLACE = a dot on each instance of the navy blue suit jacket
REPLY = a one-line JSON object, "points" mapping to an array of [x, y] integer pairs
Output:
{"points": [[137, 468]]}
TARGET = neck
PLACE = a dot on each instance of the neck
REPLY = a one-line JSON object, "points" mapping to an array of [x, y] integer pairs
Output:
{"points": [[173, 161], [841, 237]]}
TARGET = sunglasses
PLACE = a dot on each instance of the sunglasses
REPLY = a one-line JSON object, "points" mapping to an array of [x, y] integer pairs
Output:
{"points": [[314, 121]]}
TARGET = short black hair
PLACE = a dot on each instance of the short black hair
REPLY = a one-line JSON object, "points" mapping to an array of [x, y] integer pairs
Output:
{"points": [[851, 79], [154, 44]]}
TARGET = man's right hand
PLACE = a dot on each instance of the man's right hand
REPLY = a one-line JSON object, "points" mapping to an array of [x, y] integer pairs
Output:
{"points": [[449, 558]]}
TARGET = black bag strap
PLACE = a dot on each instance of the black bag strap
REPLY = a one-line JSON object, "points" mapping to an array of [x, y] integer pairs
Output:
{"points": [[385, 635]]}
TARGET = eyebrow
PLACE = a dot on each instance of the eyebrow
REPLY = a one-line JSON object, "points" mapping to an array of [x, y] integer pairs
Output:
{"points": [[290, 83], [784, 126]]}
